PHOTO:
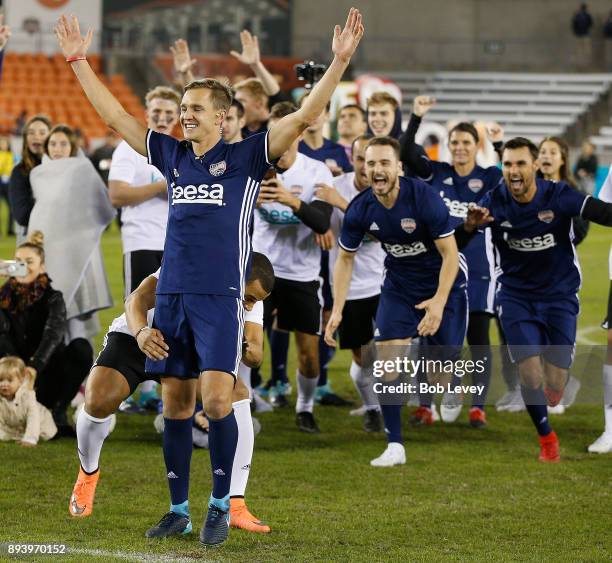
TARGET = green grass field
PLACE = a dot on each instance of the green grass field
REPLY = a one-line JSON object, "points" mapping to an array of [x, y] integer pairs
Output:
{"points": [[463, 495]]}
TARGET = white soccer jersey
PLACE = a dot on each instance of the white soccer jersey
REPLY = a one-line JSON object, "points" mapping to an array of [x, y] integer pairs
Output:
{"points": [[606, 195], [281, 236], [368, 266], [255, 315], [144, 225]]}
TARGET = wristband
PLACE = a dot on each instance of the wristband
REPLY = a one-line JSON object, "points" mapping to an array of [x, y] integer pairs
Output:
{"points": [[76, 58], [140, 330]]}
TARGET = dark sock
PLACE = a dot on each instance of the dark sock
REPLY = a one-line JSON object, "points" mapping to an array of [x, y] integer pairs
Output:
{"points": [[177, 446], [393, 422], [479, 353], [326, 353], [424, 398], [535, 401], [279, 347], [222, 441]]}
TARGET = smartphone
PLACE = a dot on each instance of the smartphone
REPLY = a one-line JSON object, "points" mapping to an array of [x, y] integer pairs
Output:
{"points": [[13, 268]]}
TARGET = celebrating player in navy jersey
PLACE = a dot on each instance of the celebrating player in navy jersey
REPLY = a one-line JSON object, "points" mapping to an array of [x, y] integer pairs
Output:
{"points": [[460, 183], [212, 191], [540, 277], [422, 293]]}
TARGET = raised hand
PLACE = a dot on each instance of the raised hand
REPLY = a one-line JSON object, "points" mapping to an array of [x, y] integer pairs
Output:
{"points": [[5, 33], [250, 49], [477, 217], [422, 104], [182, 58], [346, 40], [69, 37], [495, 132]]}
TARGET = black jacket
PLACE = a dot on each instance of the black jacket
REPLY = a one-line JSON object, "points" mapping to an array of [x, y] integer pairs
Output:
{"points": [[38, 332], [21, 198]]}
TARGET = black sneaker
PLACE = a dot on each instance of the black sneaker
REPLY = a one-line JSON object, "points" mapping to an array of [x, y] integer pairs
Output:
{"points": [[216, 526], [306, 423], [371, 421], [333, 400], [171, 524], [279, 401]]}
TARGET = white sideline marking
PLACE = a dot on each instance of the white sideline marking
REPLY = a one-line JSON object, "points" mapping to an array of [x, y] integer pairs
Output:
{"points": [[134, 556], [581, 337]]}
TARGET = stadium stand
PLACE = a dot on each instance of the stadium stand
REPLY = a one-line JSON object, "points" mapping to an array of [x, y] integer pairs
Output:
{"points": [[603, 141], [533, 105], [35, 83]]}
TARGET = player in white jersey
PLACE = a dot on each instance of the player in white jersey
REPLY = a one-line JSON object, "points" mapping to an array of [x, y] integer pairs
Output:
{"points": [[119, 369], [287, 216], [357, 327], [140, 190], [603, 444]]}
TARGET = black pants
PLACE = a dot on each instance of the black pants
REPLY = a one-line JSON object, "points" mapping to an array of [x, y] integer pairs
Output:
{"points": [[138, 265]]}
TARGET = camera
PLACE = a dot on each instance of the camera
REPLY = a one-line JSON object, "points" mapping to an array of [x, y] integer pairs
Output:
{"points": [[309, 72], [12, 268]]}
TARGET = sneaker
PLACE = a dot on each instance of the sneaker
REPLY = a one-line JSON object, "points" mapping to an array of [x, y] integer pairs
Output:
{"points": [[359, 411], [571, 391], [421, 417], [333, 400], [450, 407], [478, 418], [559, 409], [372, 421], [549, 448], [130, 406], [261, 405], [264, 389], [395, 454], [278, 395], [553, 396], [217, 523], [434, 413], [242, 518], [171, 524], [306, 422], [603, 444], [511, 401], [83, 493]]}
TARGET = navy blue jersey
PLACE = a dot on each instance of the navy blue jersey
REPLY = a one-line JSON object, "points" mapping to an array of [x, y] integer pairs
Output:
{"points": [[407, 233], [246, 132], [458, 192], [533, 241], [329, 151], [211, 201]]}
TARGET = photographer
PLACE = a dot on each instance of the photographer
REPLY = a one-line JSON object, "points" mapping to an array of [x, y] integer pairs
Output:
{"points": [[32, 327]]}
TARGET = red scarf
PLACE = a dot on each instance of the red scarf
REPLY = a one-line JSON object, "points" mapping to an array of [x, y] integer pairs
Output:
{"points": [[16, 297]]}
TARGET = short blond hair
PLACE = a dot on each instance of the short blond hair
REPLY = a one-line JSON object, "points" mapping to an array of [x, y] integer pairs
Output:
{"points": [[12, 365], [163, 93], [253, 86], [380, 98], [220, 94]]}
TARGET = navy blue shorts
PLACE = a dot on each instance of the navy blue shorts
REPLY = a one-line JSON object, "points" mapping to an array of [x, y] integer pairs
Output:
{"points": [[397, 318], [534, 328], [481, 295], [203, 332]]}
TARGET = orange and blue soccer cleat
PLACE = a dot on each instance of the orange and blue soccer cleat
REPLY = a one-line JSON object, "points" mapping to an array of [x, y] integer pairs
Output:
{"points": [[242, 518], [82, 498], [478, 418], [549, 448], [422, 416]]}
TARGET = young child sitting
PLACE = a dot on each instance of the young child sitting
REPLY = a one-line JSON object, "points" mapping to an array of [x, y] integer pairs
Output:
{"points": [[22, 418]]}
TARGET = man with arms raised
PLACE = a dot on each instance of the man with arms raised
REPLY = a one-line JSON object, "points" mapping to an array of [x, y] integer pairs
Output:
{"points": [[207, 254]]}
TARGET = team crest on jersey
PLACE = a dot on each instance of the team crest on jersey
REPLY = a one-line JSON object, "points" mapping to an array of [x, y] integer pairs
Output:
{"points": [[296, 190], [546, 216], [408, 224], [217, 169], [475, 184]]}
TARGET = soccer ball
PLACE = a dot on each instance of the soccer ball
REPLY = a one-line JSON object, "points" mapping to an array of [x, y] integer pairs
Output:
{"points": [[77, 412]]}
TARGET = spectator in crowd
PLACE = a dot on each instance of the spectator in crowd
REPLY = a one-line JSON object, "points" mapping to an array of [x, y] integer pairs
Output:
{"points": [[101, 158], [20, 122], [32, 327], [586, 167], [7, 162], [607, 33], [582, 22], [22, 418], [21, 200], [5, 33], [67, 182]]}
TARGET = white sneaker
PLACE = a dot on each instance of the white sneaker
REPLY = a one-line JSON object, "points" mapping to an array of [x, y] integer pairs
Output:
{"points": [[450, 407], [435, 416], [512, 401], [358, 411], [603, 444], [570, 391], [395, 454], [261, 405], [558, 409]]}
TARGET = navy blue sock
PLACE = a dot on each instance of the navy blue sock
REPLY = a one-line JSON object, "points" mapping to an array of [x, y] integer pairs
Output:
{"points": [[425, 399], [535, 401], [279, 348], [177, 446], [484, 378], [326, 353], [393, 422], [222, 441]]}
